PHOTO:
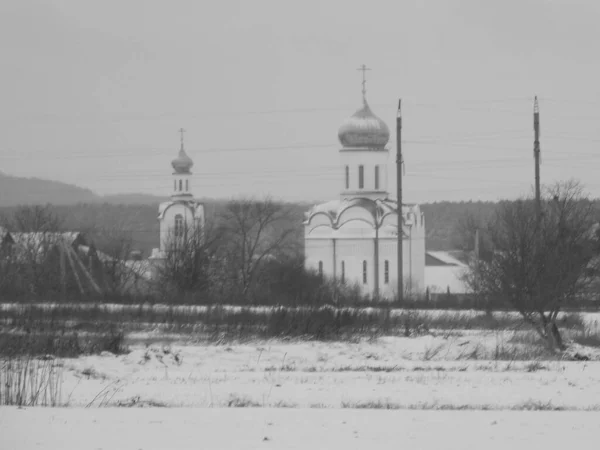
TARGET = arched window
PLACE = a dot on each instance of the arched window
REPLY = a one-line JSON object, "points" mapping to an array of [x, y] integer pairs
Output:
{"points": [[343, 272], [376, 178], [178, 225], [386, 272], [174, 185], [364, 272], [187, 185], [361, 177], [347, 177], [321, 268], [180, 185]]}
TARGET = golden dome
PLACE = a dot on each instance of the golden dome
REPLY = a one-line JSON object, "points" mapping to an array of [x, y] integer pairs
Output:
{"points": [[364, 129]]}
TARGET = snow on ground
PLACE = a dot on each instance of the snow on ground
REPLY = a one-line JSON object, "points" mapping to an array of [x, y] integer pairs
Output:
{"points": [[287, 429], [319, 395], [457, 371]]}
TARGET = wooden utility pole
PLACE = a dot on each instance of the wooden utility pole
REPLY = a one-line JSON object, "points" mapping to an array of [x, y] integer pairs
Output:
{"points": [[399, 197], [536, 155]]}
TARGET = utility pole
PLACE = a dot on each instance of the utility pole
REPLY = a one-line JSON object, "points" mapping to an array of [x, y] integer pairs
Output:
{"points": [[399, 196], [536, 155]]}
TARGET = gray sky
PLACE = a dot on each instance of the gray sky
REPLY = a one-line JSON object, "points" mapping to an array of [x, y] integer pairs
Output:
{"points": [[93, 93]]}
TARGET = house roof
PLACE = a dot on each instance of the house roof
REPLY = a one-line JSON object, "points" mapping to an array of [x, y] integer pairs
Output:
{"points": [[37, 238], [439, 258]]}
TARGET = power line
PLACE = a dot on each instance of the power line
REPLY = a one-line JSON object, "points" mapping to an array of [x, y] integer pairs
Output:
{"points": [[456, 105]]}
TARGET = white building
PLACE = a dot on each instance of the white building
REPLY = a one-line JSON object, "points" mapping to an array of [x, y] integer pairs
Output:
{"points": [[182, 213], [354, 239], [444, 272]]}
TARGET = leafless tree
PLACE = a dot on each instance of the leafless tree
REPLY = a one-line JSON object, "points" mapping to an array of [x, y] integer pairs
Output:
{"points": [[257, 230], [470, 234], [540, 265], [35, 218], [190, 261], [119, 273], [28, 259]]}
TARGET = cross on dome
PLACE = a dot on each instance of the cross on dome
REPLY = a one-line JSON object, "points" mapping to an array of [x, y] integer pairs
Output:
{"points": [[364, 69]]}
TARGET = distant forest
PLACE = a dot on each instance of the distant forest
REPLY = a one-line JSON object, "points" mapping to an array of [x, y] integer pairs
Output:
{"points": [[141, 220]]}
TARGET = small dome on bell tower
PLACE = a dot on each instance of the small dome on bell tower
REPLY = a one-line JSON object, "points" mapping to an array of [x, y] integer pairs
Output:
{"points": [[183, 163]]}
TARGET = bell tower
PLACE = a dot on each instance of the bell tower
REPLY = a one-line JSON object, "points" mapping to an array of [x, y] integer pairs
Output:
{"points": [[182, 176]]}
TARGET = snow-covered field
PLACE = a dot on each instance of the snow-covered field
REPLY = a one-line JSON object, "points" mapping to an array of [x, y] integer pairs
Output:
{"points": [[459, 370], [286, 429], [173, 392]]}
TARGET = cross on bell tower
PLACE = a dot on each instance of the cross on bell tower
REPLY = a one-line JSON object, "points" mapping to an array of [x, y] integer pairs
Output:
{"points": [[364, 69], [181, 131]]}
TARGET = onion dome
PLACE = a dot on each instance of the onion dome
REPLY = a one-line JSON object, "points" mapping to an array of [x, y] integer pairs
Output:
{"points": [[364, 129], [183, 163]]}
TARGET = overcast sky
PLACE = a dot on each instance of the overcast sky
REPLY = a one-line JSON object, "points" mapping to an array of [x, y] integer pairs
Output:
{"points": [[93, 92]]}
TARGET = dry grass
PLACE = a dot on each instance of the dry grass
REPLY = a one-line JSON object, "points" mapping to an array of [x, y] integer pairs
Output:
{"points": [[27, 381], [220, 324]]}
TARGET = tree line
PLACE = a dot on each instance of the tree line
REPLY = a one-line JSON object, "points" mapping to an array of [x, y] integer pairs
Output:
{"points": [[249, 252]]}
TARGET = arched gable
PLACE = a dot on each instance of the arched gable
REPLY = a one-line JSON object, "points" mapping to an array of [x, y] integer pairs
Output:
{"points": [[169, 206], [356, 212]]}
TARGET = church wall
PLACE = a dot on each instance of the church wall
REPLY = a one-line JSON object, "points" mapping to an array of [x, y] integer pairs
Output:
{"points": [[167, 223], [412, 267], [353, 251], [319, 250]]}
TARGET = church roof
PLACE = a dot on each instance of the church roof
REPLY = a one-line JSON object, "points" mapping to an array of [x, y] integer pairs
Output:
{"points": [[183, 163], [378, 210], [364, 129]]}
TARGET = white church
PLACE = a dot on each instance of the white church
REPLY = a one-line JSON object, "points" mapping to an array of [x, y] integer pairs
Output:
{"points": [[183, 213], [353, 239]]}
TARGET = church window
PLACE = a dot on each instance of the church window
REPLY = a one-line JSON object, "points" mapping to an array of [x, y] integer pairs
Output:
{"points": [[178, 225], [376, 177], [386, 272], [180, 185], [187, 185], [364, 272], [320, 268], [347, 177], [343, 272], [361, 177], [174, 185]]}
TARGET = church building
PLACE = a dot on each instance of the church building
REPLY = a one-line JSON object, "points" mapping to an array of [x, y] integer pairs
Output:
{"points": [[182, 214], [353, 239]]}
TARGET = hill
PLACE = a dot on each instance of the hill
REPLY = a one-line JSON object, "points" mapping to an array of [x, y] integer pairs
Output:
{"points": [[18, 191], [137, 213]]}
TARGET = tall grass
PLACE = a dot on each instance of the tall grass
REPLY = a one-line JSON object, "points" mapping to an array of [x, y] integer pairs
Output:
{"points": [[59, 342], [313, 322], [29, 381]]}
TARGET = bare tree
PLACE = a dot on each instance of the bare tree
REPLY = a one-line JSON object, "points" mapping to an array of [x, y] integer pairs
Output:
{"points": [[470, 235], [257, 230], [36, 218], [540, 265], [29, 263], [189, 260], [113, 248]]}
